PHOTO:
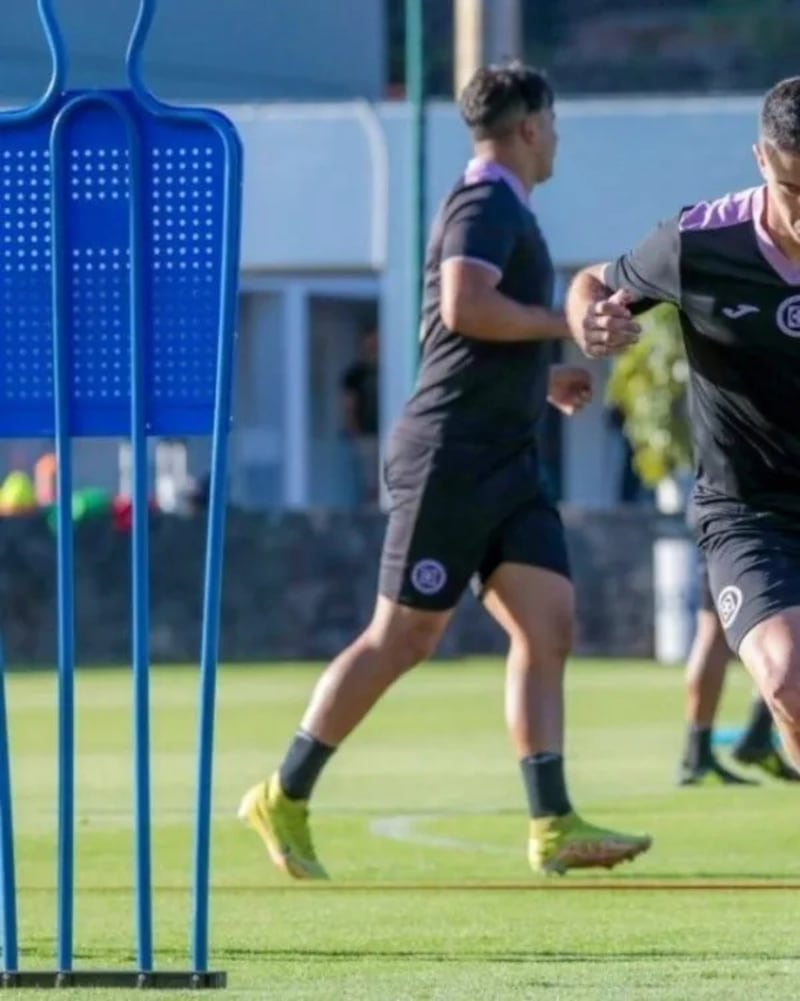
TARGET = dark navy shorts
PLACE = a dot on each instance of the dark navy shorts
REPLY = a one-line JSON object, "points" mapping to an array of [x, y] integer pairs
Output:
{"points": [[457, 511], [705, 599], [753, 561]]}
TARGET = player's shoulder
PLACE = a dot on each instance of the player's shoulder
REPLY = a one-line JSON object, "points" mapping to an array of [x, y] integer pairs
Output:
{"points": [[492, 195], [718, 217]]}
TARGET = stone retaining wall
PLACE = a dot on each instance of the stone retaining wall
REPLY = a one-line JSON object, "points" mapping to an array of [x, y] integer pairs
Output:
{"points": [[297, 586]]}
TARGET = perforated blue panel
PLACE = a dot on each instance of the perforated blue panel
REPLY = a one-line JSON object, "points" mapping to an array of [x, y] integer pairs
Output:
{"points": [[90, 162], [25, 280]]}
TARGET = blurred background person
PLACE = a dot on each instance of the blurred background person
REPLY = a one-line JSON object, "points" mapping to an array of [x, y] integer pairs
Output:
{"points": [[360, 410]]}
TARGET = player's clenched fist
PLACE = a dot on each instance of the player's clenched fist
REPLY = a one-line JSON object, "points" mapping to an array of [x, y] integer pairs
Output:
{"points": [[608, 326], [569, 388]]}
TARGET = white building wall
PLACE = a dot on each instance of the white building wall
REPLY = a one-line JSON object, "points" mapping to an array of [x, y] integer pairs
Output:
{"points": [[326, 207], [319, 179]]}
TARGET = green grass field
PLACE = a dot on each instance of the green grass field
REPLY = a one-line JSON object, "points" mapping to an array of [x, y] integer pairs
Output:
{"points": [[420, 819]]}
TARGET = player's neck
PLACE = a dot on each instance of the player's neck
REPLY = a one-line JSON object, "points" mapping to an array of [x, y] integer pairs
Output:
{"points": [[784, 240], [494, 153]]}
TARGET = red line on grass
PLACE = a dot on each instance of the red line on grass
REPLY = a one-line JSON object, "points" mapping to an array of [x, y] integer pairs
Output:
{"points": [[550, 885], [553, 886]]}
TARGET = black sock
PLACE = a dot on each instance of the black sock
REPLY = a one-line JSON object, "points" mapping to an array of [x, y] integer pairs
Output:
{"points": [[758, 732], [302, 765], [698, 746], [543, 775]]}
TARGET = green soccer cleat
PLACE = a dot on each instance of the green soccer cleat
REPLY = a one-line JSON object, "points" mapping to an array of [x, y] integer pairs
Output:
{"points": [[769, 760], [560, 843], [282, 824]]}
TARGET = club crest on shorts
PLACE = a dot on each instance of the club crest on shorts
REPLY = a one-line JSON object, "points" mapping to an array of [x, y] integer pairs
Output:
{"points": [[428, 576], [728, 604], [788, 316]]}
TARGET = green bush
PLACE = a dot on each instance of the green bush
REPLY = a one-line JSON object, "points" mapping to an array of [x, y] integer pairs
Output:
{"points": [[648, 384]]}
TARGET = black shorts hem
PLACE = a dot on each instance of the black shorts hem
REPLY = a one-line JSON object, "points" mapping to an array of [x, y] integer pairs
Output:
{"points": [[479, 580], [420, 602], [737, 633]]}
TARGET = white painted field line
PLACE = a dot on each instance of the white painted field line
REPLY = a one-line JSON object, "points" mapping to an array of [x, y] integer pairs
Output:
{"points": [[404, 828]]}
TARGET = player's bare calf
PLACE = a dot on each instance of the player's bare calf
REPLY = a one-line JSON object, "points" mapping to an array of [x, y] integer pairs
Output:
{"points": [[771, 652]]}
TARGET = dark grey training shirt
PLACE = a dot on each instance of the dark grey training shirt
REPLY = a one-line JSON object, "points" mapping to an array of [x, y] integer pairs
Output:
{"points": [[470, 389], [739, 303]]}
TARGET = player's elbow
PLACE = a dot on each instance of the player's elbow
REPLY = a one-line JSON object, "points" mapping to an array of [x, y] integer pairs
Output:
{"points": [[454, 307], [467, 290], [587, 283], [467, 311], [595, 274]]}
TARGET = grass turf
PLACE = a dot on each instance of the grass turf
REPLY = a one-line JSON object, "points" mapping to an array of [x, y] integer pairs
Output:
{"points": [[420, 819]]}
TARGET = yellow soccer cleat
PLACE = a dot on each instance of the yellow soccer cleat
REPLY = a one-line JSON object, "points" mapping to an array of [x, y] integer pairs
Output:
{"points": [[560, 843], [282, 824]]}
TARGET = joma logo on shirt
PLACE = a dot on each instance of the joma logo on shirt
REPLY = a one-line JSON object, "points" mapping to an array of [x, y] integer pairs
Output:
{"points": [[737, 312]]}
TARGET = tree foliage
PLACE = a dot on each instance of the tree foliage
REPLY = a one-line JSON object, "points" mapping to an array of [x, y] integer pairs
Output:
{"points": [[648, 384]]}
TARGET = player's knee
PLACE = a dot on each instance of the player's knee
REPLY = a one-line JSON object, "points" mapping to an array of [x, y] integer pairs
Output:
{"points": [[550, 644], [781, 687], [407, 642], [559, 645], [415, 644], [784, 698]]}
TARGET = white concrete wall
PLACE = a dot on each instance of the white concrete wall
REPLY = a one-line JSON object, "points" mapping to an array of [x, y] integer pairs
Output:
{"points": [[327, 196], [327, 189]]}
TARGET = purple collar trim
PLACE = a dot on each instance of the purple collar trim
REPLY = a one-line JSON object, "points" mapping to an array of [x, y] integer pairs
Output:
{"points": [[788, 270], [743, 207], [489, 170]]}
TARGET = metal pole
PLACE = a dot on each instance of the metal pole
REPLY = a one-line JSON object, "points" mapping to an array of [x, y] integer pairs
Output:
{"points": [[468, 20], [486, 31], [415, 94]]}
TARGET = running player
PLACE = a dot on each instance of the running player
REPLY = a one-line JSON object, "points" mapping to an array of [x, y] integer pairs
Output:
{"points": [[467, 499], [732, 267]]}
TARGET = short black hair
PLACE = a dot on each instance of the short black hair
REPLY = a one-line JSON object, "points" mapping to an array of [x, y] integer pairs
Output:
{"points": [[496, 97], [780, 115]]}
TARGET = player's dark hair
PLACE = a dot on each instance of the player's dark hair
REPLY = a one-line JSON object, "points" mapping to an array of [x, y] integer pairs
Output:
{"points": [[497, 97], [780, 115]]}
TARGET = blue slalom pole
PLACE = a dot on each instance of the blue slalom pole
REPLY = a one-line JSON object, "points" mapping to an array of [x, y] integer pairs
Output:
{"points": [[8, 882]]}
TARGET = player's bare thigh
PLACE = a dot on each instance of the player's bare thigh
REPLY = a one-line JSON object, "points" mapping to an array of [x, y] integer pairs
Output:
{"points": [[533, 605], [406, 635], [771, 652]]}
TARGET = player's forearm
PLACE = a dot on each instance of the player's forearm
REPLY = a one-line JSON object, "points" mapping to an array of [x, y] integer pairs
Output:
{"points": [[492, 316], [586, 288]]}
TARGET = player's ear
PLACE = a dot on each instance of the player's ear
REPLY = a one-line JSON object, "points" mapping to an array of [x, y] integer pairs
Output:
{"points": [[758, 153], [529, 129]]}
